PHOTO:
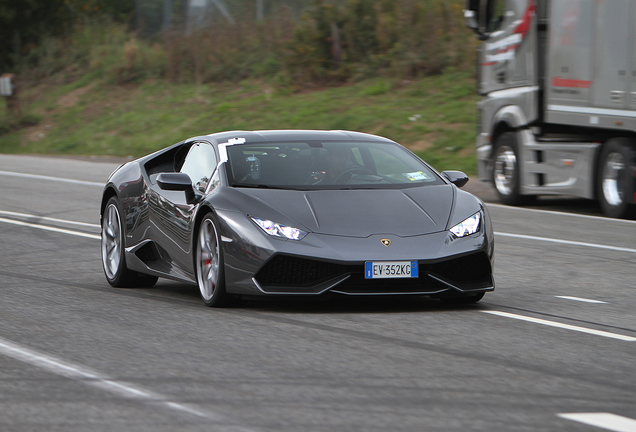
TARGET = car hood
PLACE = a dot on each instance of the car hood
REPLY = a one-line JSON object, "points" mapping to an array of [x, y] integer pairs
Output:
{"points": [[355, 213]]}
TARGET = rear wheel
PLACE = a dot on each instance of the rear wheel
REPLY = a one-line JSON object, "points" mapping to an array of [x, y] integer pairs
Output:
{"points": [[613, 180], [209, 264], [506, 173], [113, 258]]}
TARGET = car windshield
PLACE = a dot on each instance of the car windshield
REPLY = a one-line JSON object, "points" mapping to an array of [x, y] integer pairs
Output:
{"points": [[326, 165]]}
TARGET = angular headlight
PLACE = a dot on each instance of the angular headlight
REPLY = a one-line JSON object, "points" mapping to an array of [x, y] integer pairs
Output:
{"points": [[278, 230], [467, 226]]}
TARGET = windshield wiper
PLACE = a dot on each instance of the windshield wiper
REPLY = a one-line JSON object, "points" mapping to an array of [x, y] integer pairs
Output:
{"points": [[262, 186]]}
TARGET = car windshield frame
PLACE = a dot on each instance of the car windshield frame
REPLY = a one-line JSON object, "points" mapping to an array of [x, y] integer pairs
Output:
{"points": [[326, 165]]}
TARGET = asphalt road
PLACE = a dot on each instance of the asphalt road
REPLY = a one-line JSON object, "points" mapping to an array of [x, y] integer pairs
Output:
{"points": [[552, 349]]}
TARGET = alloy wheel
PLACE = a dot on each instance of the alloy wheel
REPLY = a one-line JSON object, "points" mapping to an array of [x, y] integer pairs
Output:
{"points": [[208, 260]]}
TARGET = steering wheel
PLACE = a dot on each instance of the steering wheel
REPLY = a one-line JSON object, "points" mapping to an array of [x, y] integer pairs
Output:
{"points": [[351, 171]]}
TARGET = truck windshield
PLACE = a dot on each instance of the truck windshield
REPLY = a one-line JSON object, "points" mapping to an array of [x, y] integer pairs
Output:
{"points": [[327, 165]]}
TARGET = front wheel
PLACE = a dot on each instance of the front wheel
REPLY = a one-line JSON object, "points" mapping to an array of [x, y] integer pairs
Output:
{"points": [[613, 180], [209, 264]]}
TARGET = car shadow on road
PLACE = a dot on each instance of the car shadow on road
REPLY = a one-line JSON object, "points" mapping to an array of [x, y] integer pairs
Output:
{"points": [[324, 304], [340, 304]]}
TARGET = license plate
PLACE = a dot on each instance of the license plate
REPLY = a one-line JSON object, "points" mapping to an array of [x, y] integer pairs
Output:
{"points": [[390, 269]]}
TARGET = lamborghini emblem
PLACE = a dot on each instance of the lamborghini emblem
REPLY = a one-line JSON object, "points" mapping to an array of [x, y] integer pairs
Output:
{"points": [[386, 242]]}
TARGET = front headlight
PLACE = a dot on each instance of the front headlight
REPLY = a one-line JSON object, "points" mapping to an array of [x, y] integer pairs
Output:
{"points": [[278, 230], [468, 226]]}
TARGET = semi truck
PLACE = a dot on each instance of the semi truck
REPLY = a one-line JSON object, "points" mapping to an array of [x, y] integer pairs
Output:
{"points": [[558, 108]]}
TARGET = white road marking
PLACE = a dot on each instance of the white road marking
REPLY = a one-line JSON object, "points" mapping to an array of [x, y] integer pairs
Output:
{"points": [[581, 299], [48, 228], [49, 178], [602, 218], [81, 234], [564, 326], [566, 242], [606, 421], [95, 379], [44, 218]]}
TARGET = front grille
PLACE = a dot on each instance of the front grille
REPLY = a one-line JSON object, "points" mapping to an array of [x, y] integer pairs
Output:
{"points": [[283, 270]]}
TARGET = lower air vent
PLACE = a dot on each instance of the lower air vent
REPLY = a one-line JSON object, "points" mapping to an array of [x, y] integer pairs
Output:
{"points": [[284, 270], [469, 269]]}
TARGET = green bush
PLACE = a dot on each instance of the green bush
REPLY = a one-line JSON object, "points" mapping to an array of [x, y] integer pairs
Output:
{"points": [[363, 38]]}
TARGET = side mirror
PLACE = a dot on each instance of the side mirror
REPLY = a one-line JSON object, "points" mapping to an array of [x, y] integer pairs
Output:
{"points": [[174, 181], [457, 178], [470, 19], [474, 20], [178, 182]]}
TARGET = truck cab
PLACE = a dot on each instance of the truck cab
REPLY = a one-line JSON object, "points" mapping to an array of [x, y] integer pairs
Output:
{"points": [[558, 113]]}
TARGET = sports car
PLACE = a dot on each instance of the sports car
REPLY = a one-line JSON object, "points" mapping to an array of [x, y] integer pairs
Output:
{"points": [[295, 213]]}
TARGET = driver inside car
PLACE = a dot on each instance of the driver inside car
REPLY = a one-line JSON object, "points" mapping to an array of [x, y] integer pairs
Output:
{"points": [[340, 166], [338, 161]]}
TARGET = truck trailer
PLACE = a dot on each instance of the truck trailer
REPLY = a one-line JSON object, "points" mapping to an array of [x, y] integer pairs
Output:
{"points": [[558, 113]]}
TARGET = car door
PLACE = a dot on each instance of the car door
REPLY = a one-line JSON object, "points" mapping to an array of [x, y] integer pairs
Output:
{"points": [[174, 215]]}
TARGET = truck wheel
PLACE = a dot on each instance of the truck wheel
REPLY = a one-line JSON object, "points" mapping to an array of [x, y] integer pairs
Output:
{"points": [[505, 173], [613, 180]]}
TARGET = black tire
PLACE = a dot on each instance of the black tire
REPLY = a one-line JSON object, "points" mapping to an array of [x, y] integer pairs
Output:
{"points": [[506, 171], [209, 264], [112, 247], [613, 179], [461, 299]]}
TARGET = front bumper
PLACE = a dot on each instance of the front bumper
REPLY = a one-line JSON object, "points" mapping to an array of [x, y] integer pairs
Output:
{"points": [[257, 265], [285, 274]]}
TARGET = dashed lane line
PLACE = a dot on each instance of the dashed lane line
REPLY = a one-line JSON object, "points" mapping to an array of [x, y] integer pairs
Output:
{"points": [[563, 326], [580, 299], [49, 178], [557, 213], [48, 219], [49, 228], [607, 421], [566, 242]]}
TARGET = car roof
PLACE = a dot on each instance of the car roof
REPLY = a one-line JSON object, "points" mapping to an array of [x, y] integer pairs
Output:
{"points": [[293, 135]]}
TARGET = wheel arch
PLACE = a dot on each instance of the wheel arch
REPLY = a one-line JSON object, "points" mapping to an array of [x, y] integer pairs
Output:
{"points": [[509, 118], [204, 209], [109, 192]]}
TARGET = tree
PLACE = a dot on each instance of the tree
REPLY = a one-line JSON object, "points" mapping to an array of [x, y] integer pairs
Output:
{"points": [[23, 23]]}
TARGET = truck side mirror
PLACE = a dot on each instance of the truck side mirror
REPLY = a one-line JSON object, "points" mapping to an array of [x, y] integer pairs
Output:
{"points": [[474, 20], [470, 19]]}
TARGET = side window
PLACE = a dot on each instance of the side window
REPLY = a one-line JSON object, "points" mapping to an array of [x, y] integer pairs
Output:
{"points": [[495, 15], [199, 165]]}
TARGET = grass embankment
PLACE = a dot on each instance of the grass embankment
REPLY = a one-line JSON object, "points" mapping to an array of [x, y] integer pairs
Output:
{"points": [[433, 116]]}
